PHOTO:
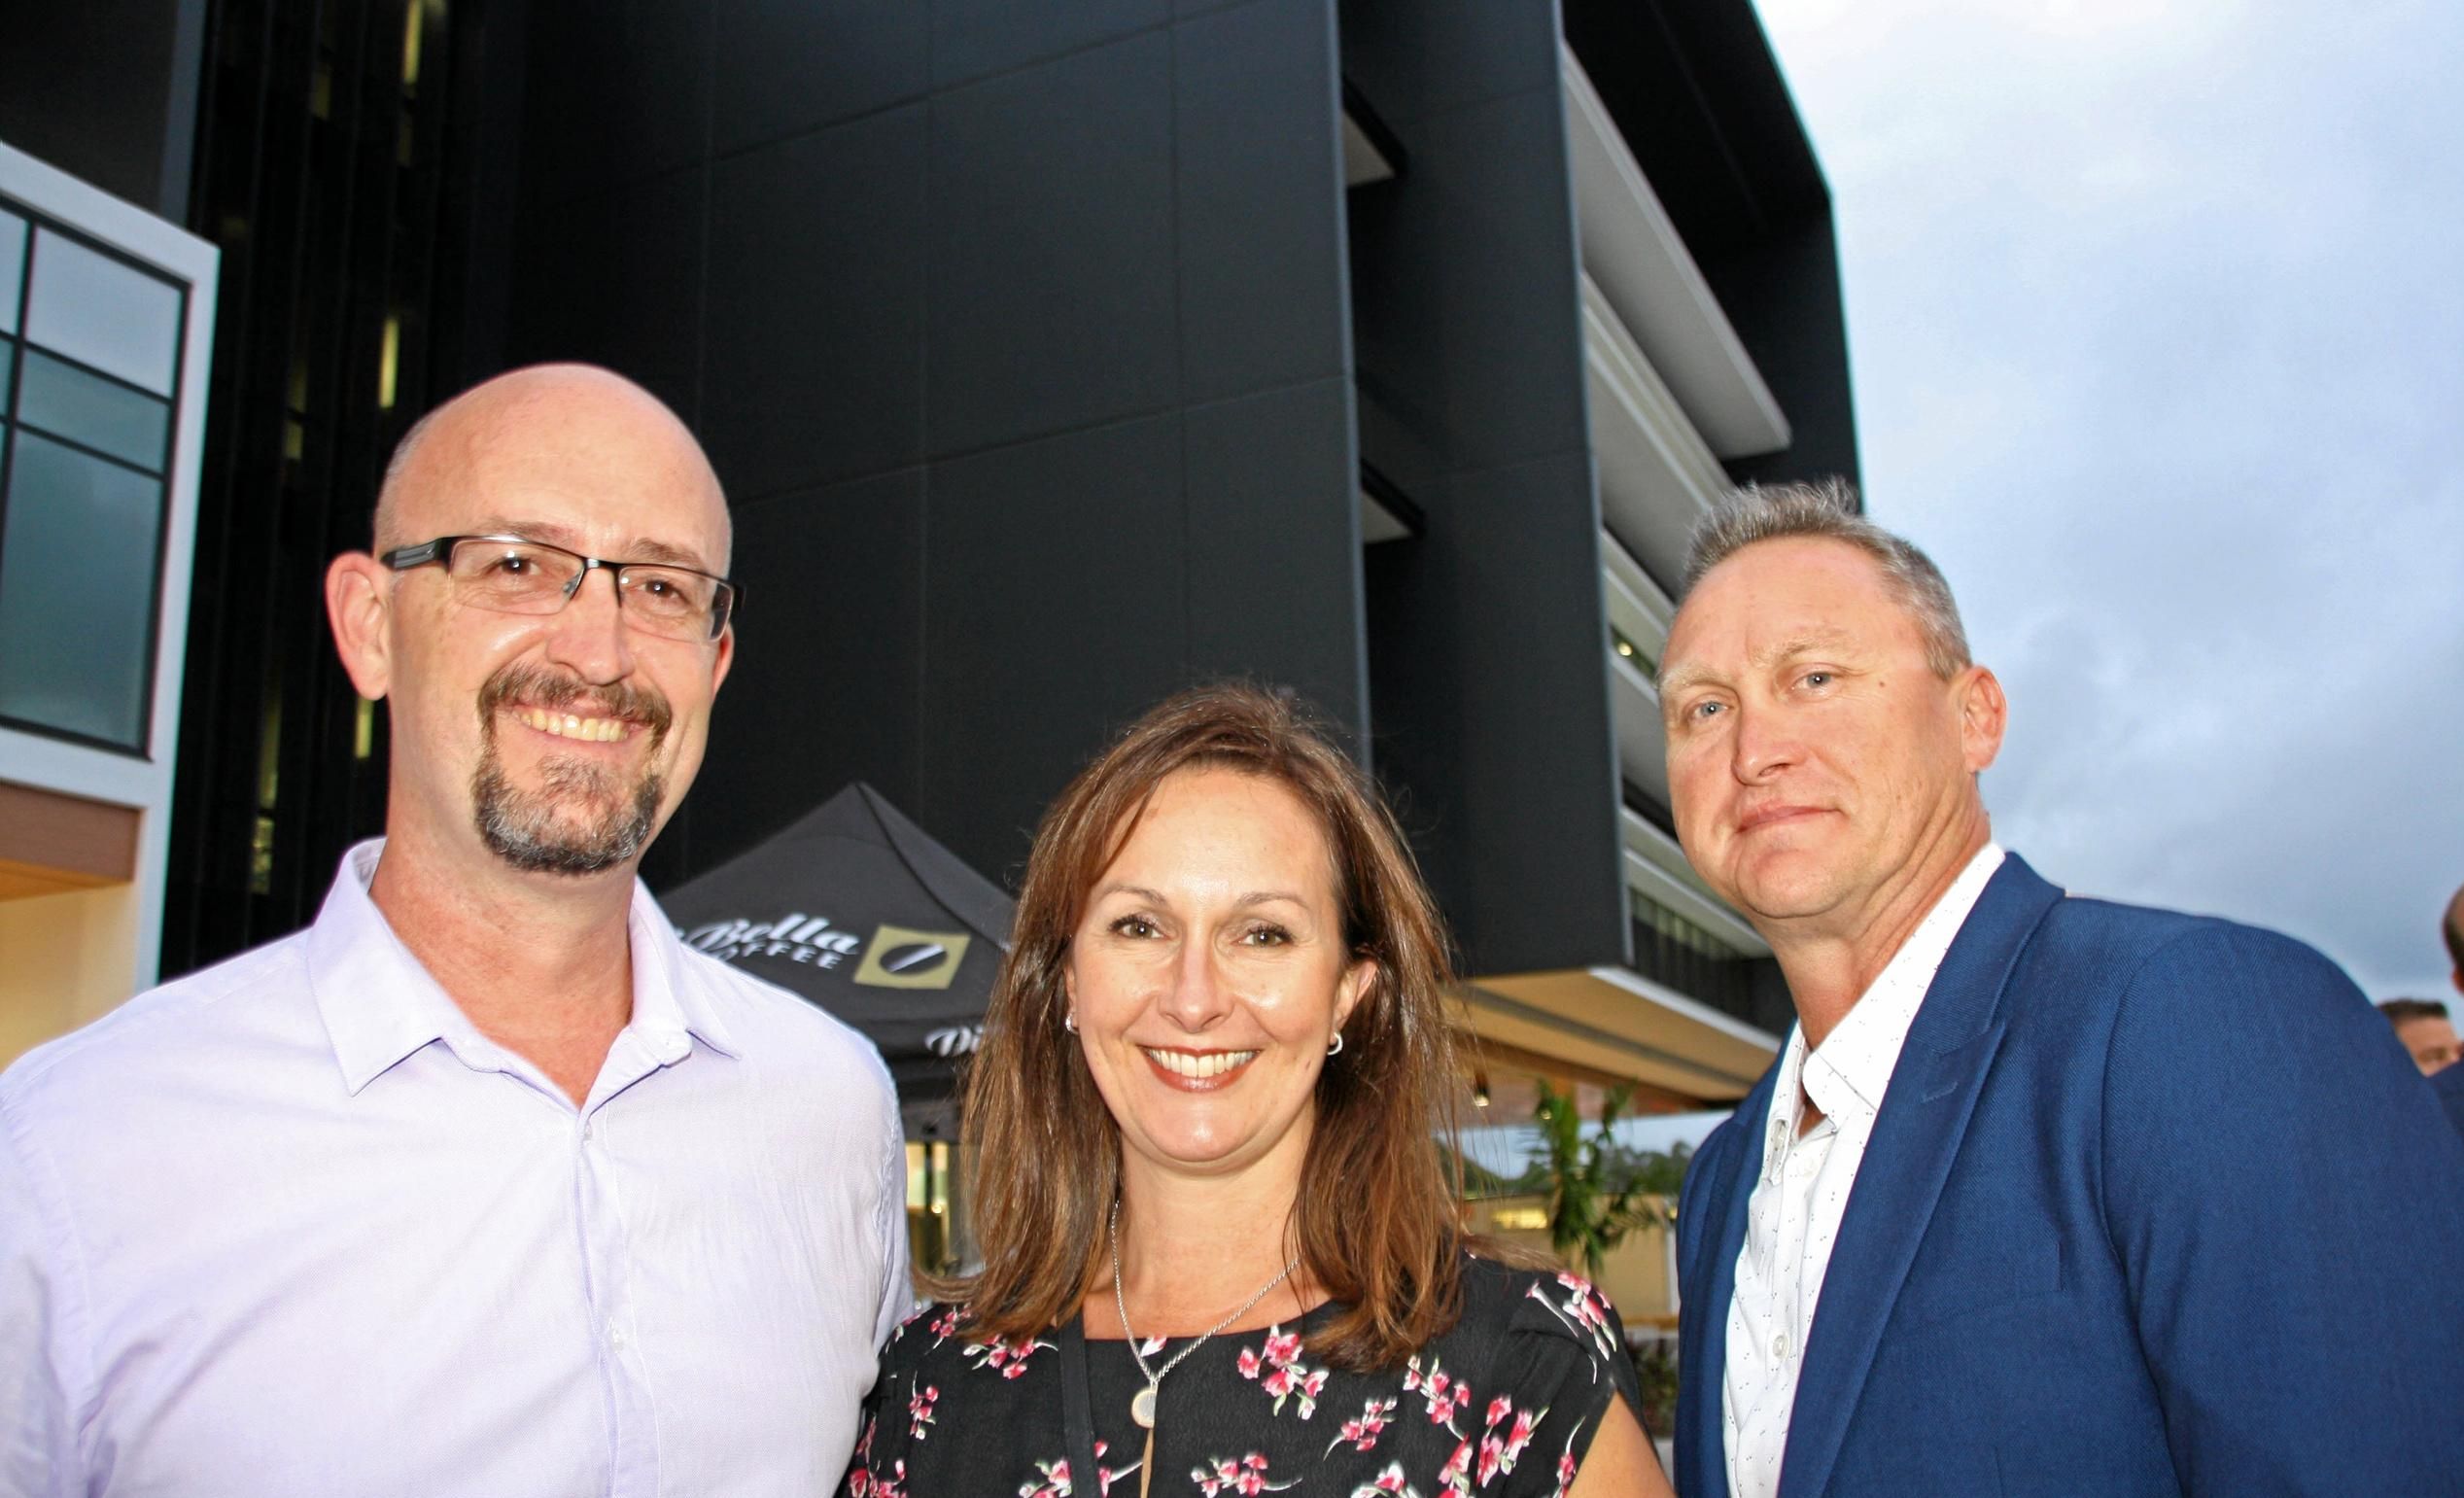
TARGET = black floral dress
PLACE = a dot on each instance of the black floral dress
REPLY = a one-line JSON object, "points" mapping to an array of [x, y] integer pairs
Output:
{"points": [[1504, 1406]]}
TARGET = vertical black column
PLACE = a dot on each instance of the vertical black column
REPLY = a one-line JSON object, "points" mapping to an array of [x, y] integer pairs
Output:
{"points": [[1487, 634]]}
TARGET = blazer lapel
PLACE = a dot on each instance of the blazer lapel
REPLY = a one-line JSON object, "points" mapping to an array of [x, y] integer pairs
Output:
{"points": [[1924, 1114], [1707, 1288]]}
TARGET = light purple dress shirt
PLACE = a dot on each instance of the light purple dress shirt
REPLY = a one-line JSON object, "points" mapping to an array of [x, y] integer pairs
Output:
{"points": [[291, 1226]]}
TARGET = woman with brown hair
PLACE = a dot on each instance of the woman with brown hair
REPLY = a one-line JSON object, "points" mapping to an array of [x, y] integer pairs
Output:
{"points": [[1210, 1125]]}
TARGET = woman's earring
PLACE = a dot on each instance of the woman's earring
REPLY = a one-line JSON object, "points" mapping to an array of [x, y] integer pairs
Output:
{"points": [[1069, 1020], [1337, 1049]]}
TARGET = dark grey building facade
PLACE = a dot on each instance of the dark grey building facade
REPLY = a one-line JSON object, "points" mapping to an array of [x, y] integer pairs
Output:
{"points": [[1055, 356]]}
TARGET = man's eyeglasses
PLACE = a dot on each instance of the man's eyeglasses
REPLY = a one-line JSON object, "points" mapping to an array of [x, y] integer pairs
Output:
{"points": [[508, 575]]}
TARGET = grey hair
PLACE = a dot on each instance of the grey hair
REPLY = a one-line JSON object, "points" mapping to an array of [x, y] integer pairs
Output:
{"points": [[1828, 511]]}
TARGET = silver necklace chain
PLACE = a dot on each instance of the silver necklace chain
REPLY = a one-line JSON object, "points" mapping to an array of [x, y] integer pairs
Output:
{"points": [[1121, 1304]]}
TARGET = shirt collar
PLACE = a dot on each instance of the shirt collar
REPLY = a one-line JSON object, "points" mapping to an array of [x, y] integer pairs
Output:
{"points": [[1848, 1074], [379, 1004], [670, 1000]]}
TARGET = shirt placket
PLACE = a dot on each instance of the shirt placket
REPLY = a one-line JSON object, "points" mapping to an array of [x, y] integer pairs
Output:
{"points": [[633, 1457]]}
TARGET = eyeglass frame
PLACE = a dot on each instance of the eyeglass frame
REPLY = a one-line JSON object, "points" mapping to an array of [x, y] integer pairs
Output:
{"points": [[439, 552]]}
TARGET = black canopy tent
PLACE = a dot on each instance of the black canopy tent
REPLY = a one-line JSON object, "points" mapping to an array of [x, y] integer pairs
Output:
{"points": [[860, 912]]}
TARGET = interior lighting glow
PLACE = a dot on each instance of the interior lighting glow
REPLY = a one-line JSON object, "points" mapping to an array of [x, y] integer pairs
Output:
{"points": [[388, 363]]}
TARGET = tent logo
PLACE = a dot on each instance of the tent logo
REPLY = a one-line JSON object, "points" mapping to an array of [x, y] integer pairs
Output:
{"points": [[794, 937], [897, 958]]}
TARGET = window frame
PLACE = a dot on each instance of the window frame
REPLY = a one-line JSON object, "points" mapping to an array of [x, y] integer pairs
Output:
{"points": [[138, 777]]}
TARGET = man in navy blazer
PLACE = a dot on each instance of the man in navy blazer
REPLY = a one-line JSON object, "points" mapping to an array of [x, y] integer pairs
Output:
{"points": [[2045, 1195]]}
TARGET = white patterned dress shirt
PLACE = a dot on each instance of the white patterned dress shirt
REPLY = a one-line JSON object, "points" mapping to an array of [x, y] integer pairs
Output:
{"points": [[1807, 1174], [292, 1226]]}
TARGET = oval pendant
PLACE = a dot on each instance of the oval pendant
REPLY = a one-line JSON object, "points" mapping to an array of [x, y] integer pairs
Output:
{"points": [[1142, 1408]]}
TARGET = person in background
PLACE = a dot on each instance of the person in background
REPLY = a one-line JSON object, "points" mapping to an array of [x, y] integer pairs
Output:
{"points": [[2452, 930], [483, 1184], [2424, 1030], [2044, 1195], [2449, 1085], [1209, 1130]]}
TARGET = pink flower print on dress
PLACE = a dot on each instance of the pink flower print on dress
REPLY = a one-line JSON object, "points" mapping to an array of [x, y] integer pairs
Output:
{"points": [[1105, 1476], [1566, 1463], [1051, 1481], [1389, 1481], [1443, 1393], [1246, 1476], [862, 1483], [1363, 1433], [946, 1325], [920, 1410], [1520, 1436], [1277, 1368], [1492, 1457], [1455, 1476], [1009, 1357], [1500, 1448], [1583, 1314]]}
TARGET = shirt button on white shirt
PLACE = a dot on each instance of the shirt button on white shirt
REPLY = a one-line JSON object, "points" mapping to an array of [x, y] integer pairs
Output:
{"points": [[1780, 1345]]}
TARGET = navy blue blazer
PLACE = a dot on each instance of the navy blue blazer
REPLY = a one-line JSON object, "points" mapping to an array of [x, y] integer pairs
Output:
{"points": [[2448, 1086], [2154, 1204]]}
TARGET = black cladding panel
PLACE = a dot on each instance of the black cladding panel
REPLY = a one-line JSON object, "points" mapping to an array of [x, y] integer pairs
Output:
{"points": [[788, 66], [617, 91], [973, 39], [817, 306], [1054, 612], [1273, 546], [1258, 198], [638, 246], [1049, 248], [1507, 279], [823, 688], [97, 88]]}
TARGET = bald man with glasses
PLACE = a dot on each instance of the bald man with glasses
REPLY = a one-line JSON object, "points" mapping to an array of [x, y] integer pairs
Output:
{"points": [[483, 1184]]}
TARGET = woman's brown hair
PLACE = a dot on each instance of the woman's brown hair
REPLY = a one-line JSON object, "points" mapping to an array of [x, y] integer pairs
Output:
{"points": [[1375, 1220]]}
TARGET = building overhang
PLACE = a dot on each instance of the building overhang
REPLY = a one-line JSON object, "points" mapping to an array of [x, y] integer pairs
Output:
{"points": [[1610, 1021], [1632, 249]]}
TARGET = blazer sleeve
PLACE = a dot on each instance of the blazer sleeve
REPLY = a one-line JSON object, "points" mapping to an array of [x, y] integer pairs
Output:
{"points": [[2287, 1206]]}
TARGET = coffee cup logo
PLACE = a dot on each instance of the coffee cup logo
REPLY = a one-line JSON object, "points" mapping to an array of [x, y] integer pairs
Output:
{"points": [[897, 958]]}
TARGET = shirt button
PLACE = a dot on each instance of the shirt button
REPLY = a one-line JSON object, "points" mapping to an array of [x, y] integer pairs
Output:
{"points": [[1780, 1345], [616, 1338]]}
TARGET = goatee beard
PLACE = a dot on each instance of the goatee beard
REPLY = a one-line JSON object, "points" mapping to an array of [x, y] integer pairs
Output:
{"points": [[525, 828], [532, 829]]}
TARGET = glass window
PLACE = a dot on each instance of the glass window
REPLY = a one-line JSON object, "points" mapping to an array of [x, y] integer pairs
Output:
{"points": [[102, 414], [104, 312], [8, 371], [77, 575], [12, 268]]}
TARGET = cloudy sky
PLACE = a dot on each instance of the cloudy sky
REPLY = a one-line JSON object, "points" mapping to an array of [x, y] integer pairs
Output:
{"points": [[2157, 316]]}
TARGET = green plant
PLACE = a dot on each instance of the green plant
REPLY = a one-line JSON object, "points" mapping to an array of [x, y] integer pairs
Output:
{"points": [[1598, 1189]]}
